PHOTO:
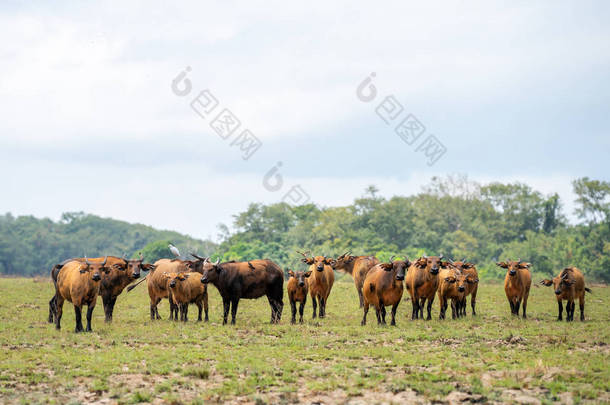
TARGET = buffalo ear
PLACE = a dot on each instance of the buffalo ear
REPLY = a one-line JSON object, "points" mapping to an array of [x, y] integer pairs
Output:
{"points": [[546, 282], [568, 282], [307, 274], [148, 267], [186, 276], [525, 265], [351, 259], [218, 268], [502, 264], [291, 273]]}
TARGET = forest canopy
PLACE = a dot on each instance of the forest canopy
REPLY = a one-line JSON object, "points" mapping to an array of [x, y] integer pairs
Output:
{"points": [[453, 216]]}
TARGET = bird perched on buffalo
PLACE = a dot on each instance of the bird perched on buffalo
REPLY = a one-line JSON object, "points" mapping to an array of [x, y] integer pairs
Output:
{"points": [[174, 250]]}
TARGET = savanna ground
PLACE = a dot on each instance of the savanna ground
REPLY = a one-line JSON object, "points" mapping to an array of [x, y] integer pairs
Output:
{"points": [[489, 358]]}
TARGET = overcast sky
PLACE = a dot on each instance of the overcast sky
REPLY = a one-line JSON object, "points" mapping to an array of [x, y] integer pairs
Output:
{"points": [[516, 91]]}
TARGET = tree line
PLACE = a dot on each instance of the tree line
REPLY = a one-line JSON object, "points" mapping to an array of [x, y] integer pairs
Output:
{"points": [[452, 215]]}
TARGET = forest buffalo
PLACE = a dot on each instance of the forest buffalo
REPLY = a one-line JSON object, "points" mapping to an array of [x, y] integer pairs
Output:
{"points": [[383, 286], [320, 282], [569, 285], [249, 280], [357, 267], [79, 283], [517, 284]]}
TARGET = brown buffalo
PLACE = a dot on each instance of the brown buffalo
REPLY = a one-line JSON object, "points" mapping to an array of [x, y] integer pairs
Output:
{"points": [[422, 283], [383, 287], [451, 287], [517, 284], [297, 288], [569, 285], [158, 288], [122, 272], [186, 288], [472, 285], [249, 280], [357, 267], [78, 283], [320, 282]]}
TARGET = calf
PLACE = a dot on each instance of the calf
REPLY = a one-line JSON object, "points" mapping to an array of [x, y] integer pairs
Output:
{"points": [[320, 282], [383, 287], [422, 283], [517, 284], [569, 285], [297, 288], [252, 279], [451, 286], [78, 283], [472, 285], [357, 267], [158, 288], [186, 288]]}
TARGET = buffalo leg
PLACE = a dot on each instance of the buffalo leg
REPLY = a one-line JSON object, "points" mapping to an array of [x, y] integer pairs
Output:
{"points": [[560, 310], [378, 313], [415, 309], [322, 312], [111, 308], [200, 308], [422, 302], [429, 308], [79, 322], [59, 309], [226, 306], [89, 315], [441, 306], [517, 306], [512, 307], [570, 311], [234, 310], [293, 308], [365, 308], [205, 306], [360, 297], [153, 306], [581, 304], [382, 310], [524, 307], [301, 308], [454, 310], [314, 304], [52, 309], [106, 304], [394, 307]]}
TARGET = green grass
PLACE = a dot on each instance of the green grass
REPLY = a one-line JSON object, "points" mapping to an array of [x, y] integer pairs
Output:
{"points": [[489, 357]]}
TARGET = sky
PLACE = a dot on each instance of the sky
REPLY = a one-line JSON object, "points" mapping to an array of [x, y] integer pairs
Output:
{"points": [[95, 115]]}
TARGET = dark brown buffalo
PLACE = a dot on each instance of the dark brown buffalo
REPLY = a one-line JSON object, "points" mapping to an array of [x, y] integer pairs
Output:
{"points": [[569, 285], [517, 284], [297, 288], [357, 267], [422, 283], [79, 283], [383, 286], [249, 280], [472, 285], [320, 282]]}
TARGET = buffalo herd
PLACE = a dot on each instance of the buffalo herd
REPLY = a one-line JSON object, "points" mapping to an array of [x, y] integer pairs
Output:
{"points": [[378, 284]]}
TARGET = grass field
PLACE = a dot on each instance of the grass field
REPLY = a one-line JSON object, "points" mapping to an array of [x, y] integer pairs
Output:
{"points": [[489, 358]]}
